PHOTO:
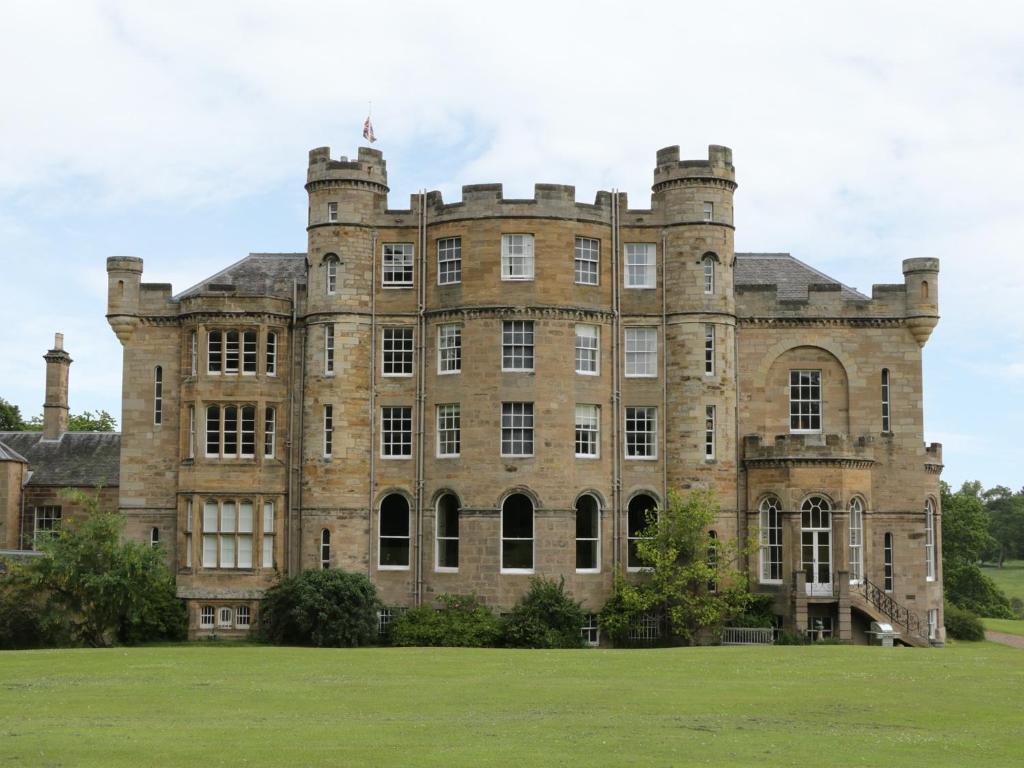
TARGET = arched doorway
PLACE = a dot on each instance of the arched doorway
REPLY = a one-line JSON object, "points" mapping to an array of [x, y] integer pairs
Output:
{"points": [[816, 545]]}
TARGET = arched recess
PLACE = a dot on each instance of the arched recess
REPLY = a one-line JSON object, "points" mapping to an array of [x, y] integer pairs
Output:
{"points": [[518, 526], [588, 533], [775, 409], [447, 508], [394, 531], [639, 504]]}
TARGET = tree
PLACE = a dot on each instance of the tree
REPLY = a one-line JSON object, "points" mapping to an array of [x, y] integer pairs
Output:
{"points": [[10, 417], [86, 421], [323, 608], [108, 589], [1006, 516], [694, 581]]}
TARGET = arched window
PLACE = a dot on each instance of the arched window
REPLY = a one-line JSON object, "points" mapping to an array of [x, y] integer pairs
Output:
{"points": [[517, 533], [856, 540], [929, 539], [924, 290], [325, 549], [886, 424], [448, 533], [120, 288], [588, 534], [641, 512], [158, 395], [887, 575], [154, 537], [770, 524], [708, 263], [331, 264], [816, 544], [394, 532], [225, 618]]}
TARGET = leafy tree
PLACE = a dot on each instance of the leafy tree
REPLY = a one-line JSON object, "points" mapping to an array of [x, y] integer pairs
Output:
{"points": [[694, 581], [107, 589], [462, 621], [546, 617], [86, 421], [10, 417], [320, 607], [1006, 516], [25, 621]]}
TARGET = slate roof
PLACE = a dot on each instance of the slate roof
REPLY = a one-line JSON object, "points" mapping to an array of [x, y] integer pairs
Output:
{"points": [[9, 454], [258, 274], [85, 459], [790, 276]]}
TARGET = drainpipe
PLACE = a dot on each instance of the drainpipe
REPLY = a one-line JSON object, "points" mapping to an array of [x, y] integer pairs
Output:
{"points": [[373, 400], [291, 431], [664, 370], [616, 390], [421, 327]]}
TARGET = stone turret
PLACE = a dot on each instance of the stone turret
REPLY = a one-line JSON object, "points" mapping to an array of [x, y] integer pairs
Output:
{"points": [[55, 409], [921, 277]]}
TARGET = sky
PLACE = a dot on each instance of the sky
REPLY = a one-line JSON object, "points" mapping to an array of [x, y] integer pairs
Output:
{"points": [[862, 133]]}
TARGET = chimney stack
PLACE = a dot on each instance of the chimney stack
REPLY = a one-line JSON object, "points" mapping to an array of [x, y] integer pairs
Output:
{"points": [[55, 409]]}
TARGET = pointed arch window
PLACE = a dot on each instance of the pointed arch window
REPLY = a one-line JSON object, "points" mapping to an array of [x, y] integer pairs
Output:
{"points": [[331, 263], [708, 263], [856, 555]]}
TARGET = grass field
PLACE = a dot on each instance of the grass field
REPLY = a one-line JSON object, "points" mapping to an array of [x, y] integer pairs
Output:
{"points": [[211, 705], [1009, 626], [1009, 578]]}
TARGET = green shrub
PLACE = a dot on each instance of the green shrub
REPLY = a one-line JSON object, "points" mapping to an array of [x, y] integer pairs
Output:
{"points": [[323, 608], [967, 587], [462, 621], [546, 617], [25, 620], [961, 624], [759, 613]]}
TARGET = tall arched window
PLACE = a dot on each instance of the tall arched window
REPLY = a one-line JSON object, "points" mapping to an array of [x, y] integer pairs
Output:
{"points": [[158, 395], [448, 533], [517, 533], [929, 539], [887, 575], [394, 532], [588, 534], [325, 549], [856, 540], [331, 271], [642, 509], [154, 537], [886, 423], [816, 544], [708, 263], [770, 524]]}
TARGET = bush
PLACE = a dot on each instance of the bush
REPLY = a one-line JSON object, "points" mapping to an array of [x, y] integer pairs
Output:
{"points": [[323, 608], [760, 612], [546, 617], [962, 624], [25, 621], [968, 588], [463, 621]]}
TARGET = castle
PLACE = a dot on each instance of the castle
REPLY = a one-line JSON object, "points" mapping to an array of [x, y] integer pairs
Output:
{"points": [[451, 397]]}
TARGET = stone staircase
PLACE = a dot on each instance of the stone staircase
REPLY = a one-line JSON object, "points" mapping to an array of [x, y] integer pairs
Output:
{"points": [[874, 601]]}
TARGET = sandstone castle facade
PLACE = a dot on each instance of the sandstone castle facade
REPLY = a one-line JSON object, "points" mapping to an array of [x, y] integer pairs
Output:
{"points": [[454, 396]]}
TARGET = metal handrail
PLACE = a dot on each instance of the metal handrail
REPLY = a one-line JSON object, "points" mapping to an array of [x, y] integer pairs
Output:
{"points": [[885, 603]]}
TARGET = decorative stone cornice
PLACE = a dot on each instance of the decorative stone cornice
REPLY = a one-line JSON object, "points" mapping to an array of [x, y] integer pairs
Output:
{"points": [[498, 311], [845, 462], [695, 181], [820, 322]]}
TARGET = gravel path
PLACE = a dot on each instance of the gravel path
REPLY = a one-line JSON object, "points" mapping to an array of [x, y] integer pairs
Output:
{"points": [[1001, 637]]}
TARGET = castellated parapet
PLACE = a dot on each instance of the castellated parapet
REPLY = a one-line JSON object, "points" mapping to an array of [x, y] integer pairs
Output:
{"points": [[454, 396]]}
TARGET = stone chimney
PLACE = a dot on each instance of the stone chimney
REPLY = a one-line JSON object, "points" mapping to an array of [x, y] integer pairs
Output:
{"points": [[55, 409]]}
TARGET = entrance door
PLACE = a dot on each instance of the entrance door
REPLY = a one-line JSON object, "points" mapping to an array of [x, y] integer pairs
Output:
{"points": [[816, 545]]}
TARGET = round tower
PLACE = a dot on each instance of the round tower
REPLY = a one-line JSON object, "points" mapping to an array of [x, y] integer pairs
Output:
{"points": [[124, 276], [921, 277], [693, 200]]}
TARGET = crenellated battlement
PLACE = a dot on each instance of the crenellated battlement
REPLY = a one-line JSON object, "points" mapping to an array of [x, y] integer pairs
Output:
{"points": [[716, 169], [813, 449], [369, 168]]}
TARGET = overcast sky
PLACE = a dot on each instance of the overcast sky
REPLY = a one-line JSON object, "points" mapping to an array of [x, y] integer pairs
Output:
{"points": [[863, 134]]}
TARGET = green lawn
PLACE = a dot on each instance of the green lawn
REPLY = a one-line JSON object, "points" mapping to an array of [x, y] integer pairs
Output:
{"points": [[1009, 578], [1009, 626], [209, 705]]}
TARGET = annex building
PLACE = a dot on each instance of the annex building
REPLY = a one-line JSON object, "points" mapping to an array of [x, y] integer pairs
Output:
{"points": [[451, 397]]}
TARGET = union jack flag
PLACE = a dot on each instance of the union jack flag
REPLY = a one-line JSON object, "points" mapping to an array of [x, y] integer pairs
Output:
{"points": [[368, 131]]}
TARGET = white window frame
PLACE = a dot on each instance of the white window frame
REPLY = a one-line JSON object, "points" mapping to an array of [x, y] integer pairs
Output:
{"points": [[158, 395], [247, 431], [588, 430], [635, 535], [397, 265], [325, 549], [933, 623], [269, 431], [649, 419], [46, 521], [268, 534], [709, 349], [207, 616], [225, 617], [232, 351], [396, 432], [518, 335], [770, 552], [886, 407], [888, 562], [588, 349], [193, 352], [449, 430], [188, 533], [640, 343], [329, 349], [407, 537], [597, 530], [856, 540], [517, 420], [331, 277], [449, 260], [191, 449], [328, 431], [929, 540], [708, 268], [449, 349], [332, 213], [587, 261], [271, 354], [250, 352], [532, 539], [591, 631], [517, 256], [227, 533], [709, 211], [709, 433], [215, 352], [639, 265], [396, 352], [809, 407], [438, 538], [243, 617]]}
